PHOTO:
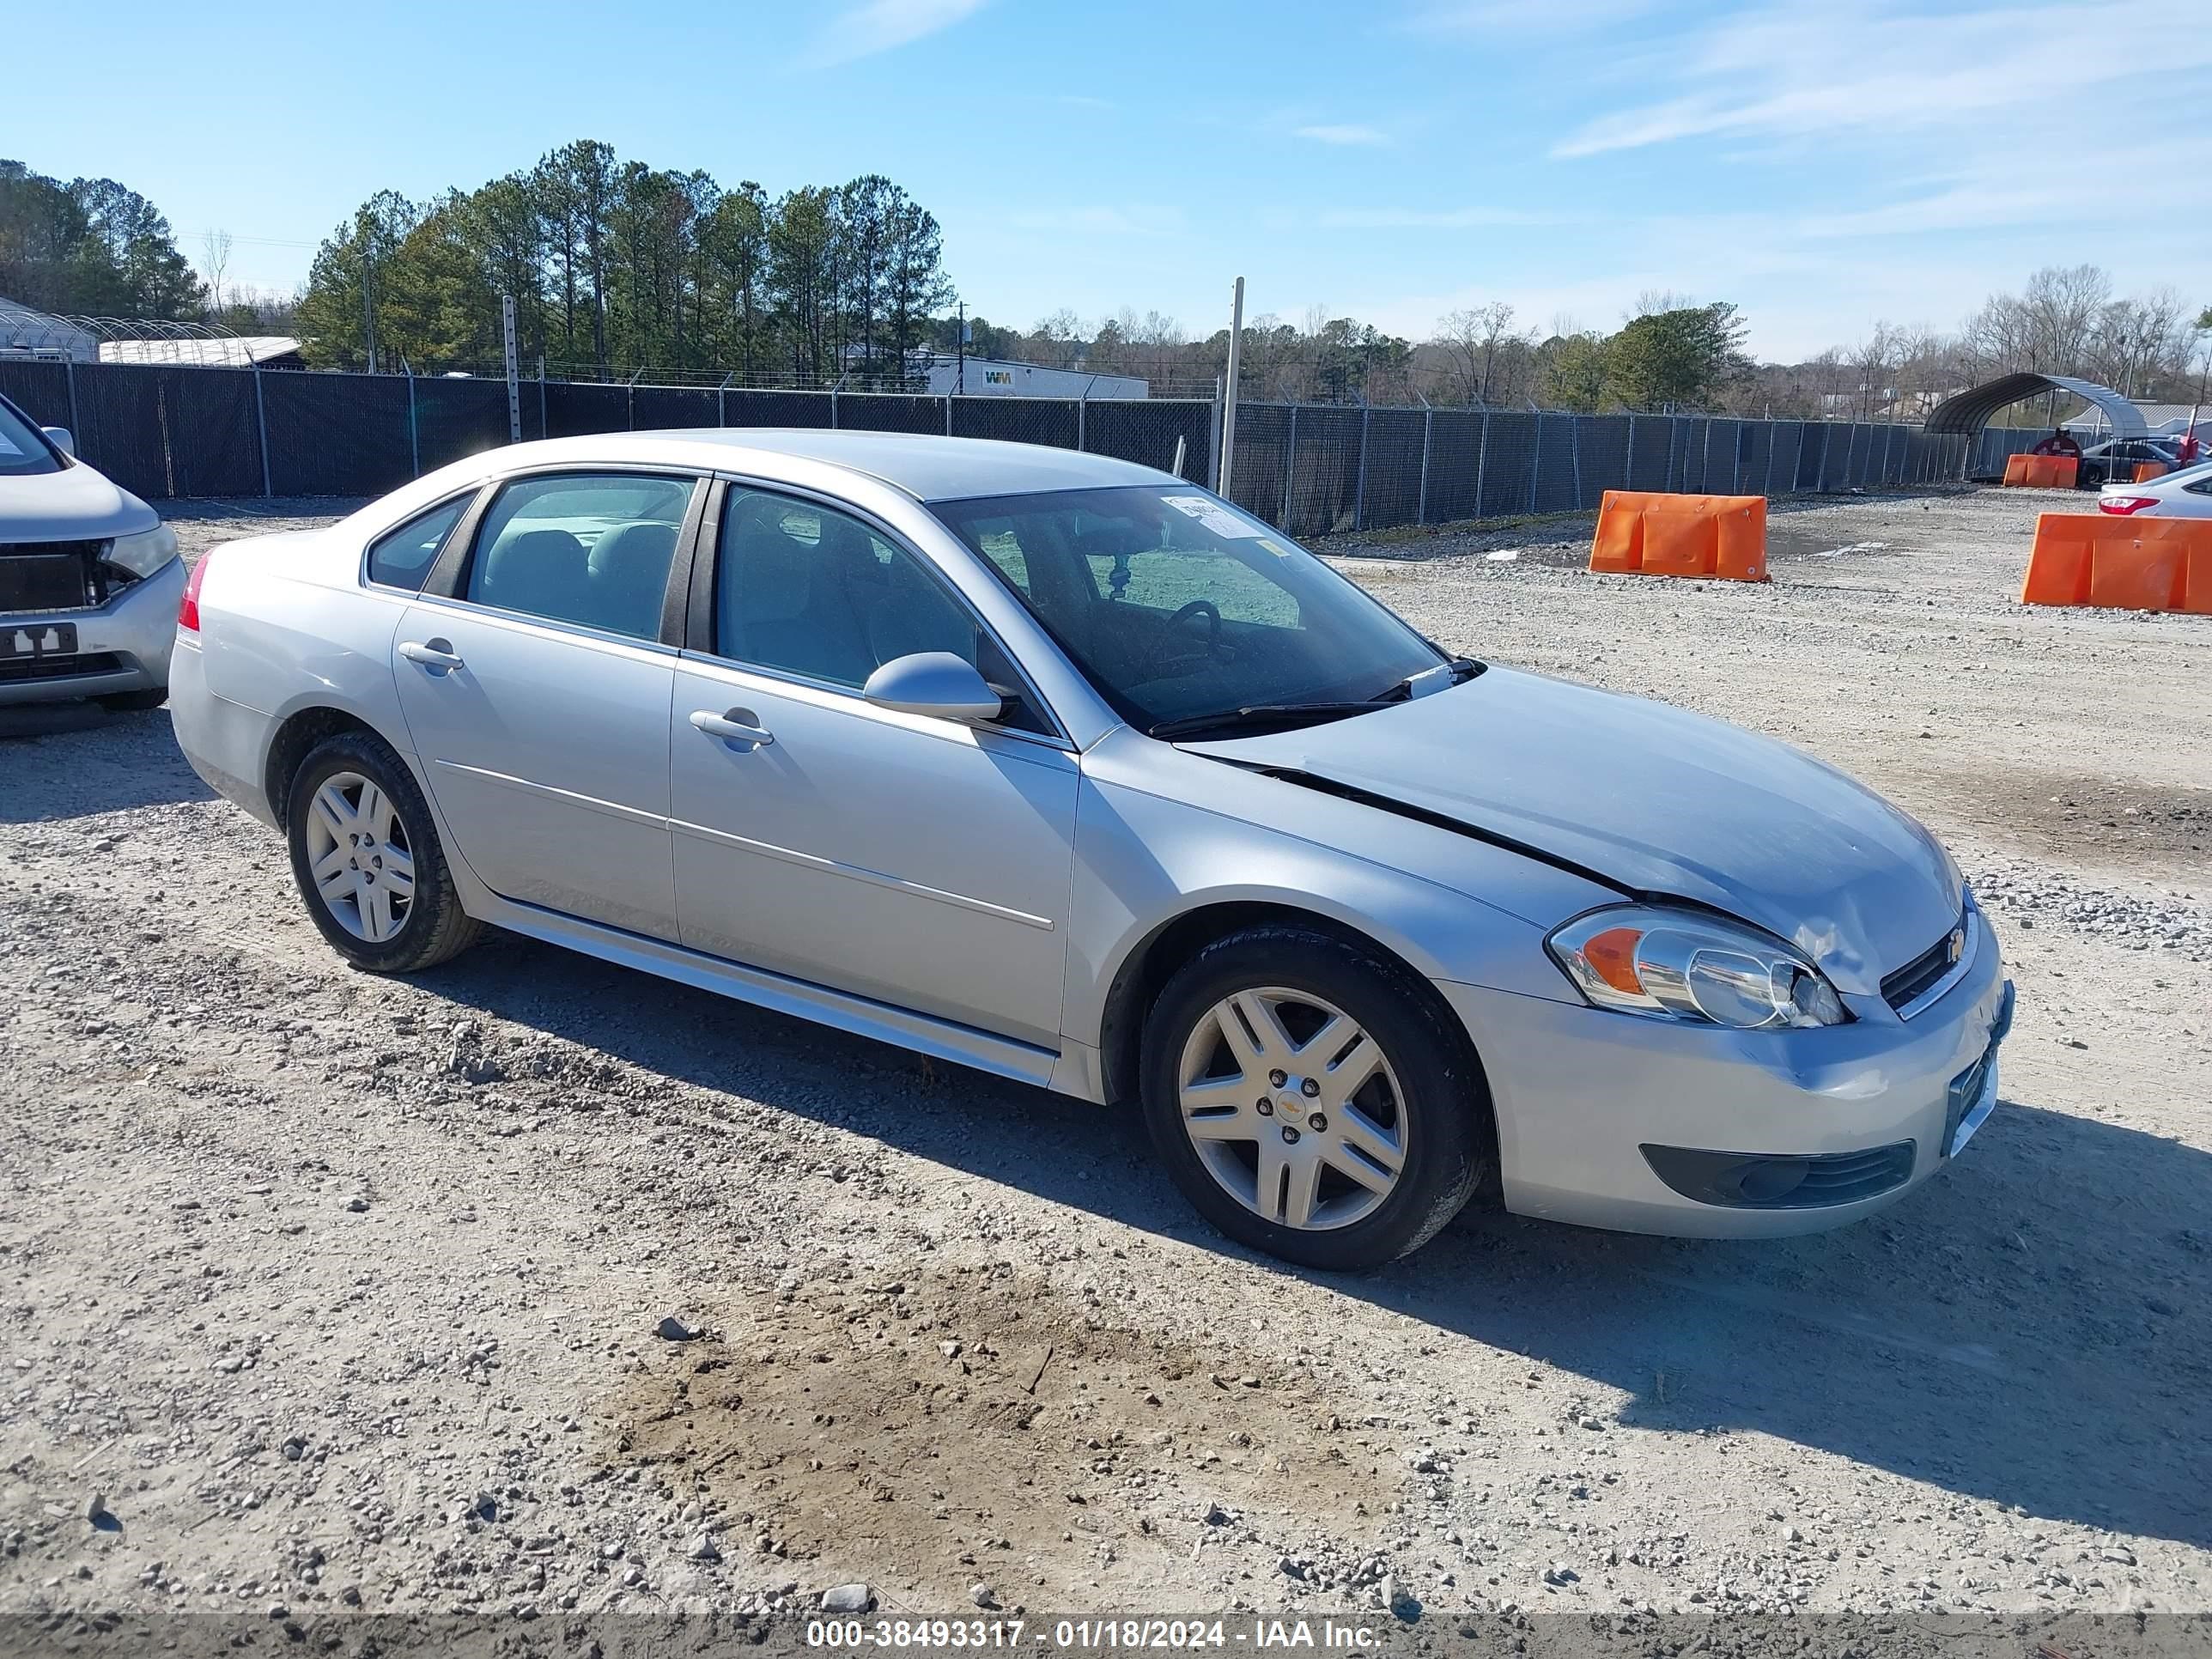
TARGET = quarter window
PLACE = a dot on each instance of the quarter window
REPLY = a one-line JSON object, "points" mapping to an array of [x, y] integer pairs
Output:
{"points": [[403, 557], [587, 548]]}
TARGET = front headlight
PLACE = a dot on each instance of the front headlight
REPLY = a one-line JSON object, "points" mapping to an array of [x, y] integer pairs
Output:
{"points": [[1683, 965], [143, 554]]}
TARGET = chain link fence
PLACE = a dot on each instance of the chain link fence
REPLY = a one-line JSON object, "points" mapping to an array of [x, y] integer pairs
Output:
{"points": [[1309, 468]]}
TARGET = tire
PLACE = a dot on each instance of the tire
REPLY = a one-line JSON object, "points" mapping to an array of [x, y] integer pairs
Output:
{"points": [[402, 934], [1428, 1085], [134, 703]]}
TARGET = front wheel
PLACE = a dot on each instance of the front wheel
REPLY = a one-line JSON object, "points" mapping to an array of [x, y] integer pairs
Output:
{"points": [[366, 858], [1311, 1099], [134, 703]]}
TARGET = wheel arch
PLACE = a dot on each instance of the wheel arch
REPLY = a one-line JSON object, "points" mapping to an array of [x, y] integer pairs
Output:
{"points": [[1148, 965], [294, 737]]}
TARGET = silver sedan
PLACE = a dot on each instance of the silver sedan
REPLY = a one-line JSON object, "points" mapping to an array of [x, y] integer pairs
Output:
{"points": [[1068, 770]]}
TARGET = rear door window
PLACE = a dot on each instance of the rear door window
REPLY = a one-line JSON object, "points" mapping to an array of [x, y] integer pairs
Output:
{"points": [[589, 548]]}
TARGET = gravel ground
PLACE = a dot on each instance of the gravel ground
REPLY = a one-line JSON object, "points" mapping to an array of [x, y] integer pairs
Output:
{"points": [[536, 1284]]}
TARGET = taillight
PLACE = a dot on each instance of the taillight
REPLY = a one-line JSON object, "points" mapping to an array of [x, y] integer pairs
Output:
{"points": [[2123, 505], [188, 608]]}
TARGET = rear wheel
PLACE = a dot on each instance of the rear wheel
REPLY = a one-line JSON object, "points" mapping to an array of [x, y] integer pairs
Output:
{"points": [[366, 858], [1311, 1099]]}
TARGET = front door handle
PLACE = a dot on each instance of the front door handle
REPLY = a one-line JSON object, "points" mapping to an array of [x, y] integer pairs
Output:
{"points": [[437, 654], [736, 726]]}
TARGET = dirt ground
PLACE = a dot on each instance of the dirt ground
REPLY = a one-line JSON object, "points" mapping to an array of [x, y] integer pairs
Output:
{"points": [[317, 1288]]}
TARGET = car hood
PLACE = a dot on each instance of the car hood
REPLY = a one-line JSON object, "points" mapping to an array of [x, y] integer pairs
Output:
{"points": [[1655, 800], [75, 504]]}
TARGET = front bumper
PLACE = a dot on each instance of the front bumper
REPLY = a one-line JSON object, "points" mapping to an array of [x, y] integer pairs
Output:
{"points": [[1581, 1094], [124, 646]]}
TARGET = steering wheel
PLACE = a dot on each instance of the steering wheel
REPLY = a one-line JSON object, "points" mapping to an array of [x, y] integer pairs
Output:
{"points": [[1212, 613]]}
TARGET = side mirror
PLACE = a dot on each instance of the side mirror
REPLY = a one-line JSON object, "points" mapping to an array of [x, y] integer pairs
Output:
{"points": [[933, 682], [62, 438]]}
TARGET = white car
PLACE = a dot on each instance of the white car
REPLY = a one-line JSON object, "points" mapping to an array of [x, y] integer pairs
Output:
{"points": [[1069, 770], [2177, 496], [90, 577]]}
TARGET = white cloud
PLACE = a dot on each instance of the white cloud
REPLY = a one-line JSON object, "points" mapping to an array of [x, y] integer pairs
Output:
{"points": [[1344, 134], [1464, 218], [1128, 220], [881, 25], [1521, 17], [1793, 71]]}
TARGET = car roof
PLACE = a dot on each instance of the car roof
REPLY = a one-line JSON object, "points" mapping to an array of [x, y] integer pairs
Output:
{"points": [[927, 468]]}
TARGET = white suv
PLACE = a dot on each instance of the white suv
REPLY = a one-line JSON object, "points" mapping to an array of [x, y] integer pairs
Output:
{"points": [[90, 577]]}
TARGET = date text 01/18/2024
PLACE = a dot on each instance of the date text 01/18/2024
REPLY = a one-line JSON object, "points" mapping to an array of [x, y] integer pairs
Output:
{"points": [[1092, 1635]]}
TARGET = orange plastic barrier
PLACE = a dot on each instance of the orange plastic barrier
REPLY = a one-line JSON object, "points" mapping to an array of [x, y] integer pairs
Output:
{"points": [[2041, 471], [2146, 470], [2121, 564], [1644, 533]]}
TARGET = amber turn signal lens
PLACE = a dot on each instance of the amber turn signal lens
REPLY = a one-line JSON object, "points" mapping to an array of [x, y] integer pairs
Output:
{"points": [[1611, 955]]}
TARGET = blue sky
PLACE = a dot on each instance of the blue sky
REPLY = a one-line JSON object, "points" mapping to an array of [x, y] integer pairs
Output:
{"points": [[1824, 165]]}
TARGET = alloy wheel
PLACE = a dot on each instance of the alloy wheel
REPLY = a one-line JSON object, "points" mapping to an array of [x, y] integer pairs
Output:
{"points": [[1293, 1109], [357, 850]]}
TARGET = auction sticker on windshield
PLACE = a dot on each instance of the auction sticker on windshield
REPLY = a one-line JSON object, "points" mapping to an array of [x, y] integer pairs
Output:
{"points": [[1214, 516]]}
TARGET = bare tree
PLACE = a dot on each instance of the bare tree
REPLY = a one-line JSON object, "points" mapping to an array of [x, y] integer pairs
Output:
{"points": [[1473, 342], [215, 260]]}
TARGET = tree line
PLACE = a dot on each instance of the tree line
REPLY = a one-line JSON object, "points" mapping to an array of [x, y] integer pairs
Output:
{"points": [[90, 248], [616, 266]]}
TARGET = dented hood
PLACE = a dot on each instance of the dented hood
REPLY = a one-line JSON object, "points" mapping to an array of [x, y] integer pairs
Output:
{"points": [[1654, 800]]}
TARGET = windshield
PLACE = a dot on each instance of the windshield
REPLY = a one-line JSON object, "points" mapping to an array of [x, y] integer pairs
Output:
{"points": [[23, 446], [1176, 604]]}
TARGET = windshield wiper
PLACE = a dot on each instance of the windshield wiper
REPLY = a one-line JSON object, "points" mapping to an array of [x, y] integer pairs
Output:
{"points": [[1263, 714], [1460, 670], [1455, 671]]}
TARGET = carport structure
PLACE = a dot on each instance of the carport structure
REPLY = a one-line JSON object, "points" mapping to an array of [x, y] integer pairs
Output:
{"points": [[1967, 413]]}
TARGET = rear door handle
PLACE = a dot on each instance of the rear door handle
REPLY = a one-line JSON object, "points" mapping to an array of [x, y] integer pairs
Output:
{"points": [[736, 726], [437, 654]]}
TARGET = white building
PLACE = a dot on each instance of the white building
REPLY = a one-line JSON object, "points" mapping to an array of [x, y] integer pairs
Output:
{"points": [[990, 378]]}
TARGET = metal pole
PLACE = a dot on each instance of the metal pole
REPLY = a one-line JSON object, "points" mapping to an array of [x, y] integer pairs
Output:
{"points": [[1359, 485], [1213, 437], [1575, 454], [413, 427], [948, 413], [1428, 431], [1228, 467], [629, 389], [77, 430], [513, 373], [1290, 472], [1706, 466], [1481, 461], [260, 421], [722, 400], [1769, 489], [1536, 460], [1628, 472], [1081, 410]]}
